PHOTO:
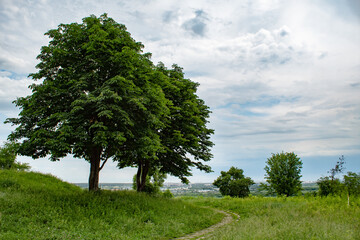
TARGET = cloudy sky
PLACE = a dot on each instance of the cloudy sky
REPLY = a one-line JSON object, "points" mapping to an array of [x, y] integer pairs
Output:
{"points": [[277, 75]]}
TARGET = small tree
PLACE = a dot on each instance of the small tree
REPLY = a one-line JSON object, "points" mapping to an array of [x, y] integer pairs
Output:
{"points": [[331, 185], [338, 167], [283, 174], [8, 155], [233, 183], [352, 183]]}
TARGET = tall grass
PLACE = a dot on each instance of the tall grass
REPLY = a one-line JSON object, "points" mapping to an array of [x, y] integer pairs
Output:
{"points": [[37, 206], [288, 218]]}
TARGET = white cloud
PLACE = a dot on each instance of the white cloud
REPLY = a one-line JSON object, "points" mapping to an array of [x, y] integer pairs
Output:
{"points": [[12, 88], [278, 75]]}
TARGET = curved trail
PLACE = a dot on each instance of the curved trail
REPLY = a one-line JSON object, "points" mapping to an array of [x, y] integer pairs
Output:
{"points": [[202, 234]]}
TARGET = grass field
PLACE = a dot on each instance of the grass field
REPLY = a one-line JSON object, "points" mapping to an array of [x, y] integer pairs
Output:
{"points": [[288, 218], [37, 206]]}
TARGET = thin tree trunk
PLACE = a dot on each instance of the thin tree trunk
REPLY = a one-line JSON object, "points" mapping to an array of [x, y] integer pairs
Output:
{"points": [[138, 177], [144, 174], [141, 175], [94, 170]]}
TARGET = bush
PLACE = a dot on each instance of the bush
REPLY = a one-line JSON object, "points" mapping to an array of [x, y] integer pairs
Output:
{"points": [[154, 181], [167, 194], [328, 186], [333, 186], [8, 155], [350, 185], [233, 183]]}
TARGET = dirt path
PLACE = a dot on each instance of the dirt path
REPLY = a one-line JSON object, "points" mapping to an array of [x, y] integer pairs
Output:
{"points": [[202, 234]]}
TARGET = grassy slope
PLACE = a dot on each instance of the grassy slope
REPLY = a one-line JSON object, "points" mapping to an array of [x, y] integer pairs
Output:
{"points": [[288, 218], [37, 206]]}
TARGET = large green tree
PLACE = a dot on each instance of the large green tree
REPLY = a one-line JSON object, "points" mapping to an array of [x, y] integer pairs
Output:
{"points": [[100, 97], [283, 174], [95, 92], [183, 139], [234, 183]]}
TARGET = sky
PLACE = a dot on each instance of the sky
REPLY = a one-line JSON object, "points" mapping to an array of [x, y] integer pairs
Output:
{"points": [[278, 75]]}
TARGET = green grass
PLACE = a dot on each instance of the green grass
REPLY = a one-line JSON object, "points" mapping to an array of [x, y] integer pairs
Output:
{"points": [[37, 206], [288, 218]]}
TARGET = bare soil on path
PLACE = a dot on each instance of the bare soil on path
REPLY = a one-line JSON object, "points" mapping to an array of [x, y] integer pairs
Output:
{"points": [[205, 233]]}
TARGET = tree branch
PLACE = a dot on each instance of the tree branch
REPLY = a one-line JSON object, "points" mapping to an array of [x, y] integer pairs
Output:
{"points": [[102, 165]]}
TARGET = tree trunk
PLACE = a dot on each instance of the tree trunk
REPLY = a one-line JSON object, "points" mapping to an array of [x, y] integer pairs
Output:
{"points": [[142, 172], [138, 178], [94, 170]]}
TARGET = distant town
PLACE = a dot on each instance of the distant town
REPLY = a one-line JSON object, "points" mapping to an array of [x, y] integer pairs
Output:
{"points": [[196, 189]]}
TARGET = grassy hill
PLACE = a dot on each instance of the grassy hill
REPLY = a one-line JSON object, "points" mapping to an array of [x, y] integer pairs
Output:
{"points": [[38, 206]]}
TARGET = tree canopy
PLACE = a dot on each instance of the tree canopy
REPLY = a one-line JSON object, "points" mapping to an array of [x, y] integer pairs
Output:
{"points": [[100, 97], [184, 139], [283, 174], [234, 183]]}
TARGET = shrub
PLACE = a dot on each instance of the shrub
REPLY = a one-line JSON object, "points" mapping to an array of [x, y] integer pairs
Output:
{"points": [[167, 194], [8, 155], [328, 186], [154, 181], [233, 183]]}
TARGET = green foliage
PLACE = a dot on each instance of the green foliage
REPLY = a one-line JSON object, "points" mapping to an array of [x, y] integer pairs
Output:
{"points": [[167, 194], [328, 186], [8, 154], [333, 186], [233, 183], [100, 97], [37, 206], [154, 181], [352, 183], [184, 138], [95, 92], [287, 218], [283, 174]]}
